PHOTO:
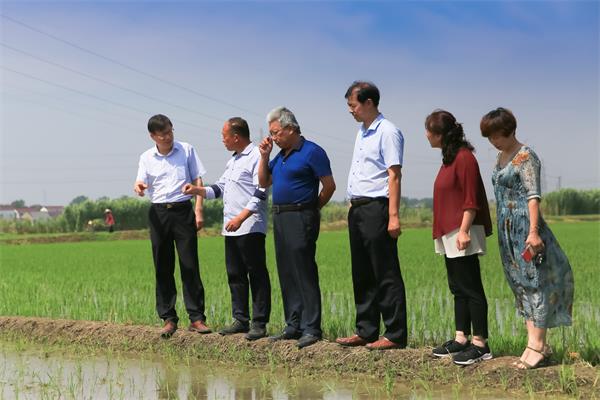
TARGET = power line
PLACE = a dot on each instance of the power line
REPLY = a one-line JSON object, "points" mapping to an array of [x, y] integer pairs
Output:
{"points": [[91, 95], [86, 75], [139, 71]]}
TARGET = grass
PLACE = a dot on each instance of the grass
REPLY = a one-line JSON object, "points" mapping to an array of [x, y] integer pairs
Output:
{"points": [[113, 281]]}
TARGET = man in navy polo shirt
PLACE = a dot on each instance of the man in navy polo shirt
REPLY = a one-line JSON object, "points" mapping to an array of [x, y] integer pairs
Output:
{"points": [[295, 173]]}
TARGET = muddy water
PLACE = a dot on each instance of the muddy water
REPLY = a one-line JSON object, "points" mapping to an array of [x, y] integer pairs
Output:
{"points": [[34, 373]]}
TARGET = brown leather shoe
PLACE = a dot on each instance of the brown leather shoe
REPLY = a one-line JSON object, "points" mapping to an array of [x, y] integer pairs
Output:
{"points": [[351, 341], [384, 344], [199, 327], [168, 329]]}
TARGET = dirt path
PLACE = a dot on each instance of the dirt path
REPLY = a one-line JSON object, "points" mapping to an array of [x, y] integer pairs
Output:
{"points": [[579, 379]]}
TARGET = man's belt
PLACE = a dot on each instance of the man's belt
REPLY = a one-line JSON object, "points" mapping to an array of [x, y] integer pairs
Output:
{"points": [[279, 208], [170, 206], [361, 201]]}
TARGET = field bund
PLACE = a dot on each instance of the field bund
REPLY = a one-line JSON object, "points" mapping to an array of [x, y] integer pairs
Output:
{"points": [[322, 359]]}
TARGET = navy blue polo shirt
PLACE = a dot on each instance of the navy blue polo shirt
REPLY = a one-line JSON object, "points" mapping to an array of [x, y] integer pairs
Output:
{"points": [[296, 177]]}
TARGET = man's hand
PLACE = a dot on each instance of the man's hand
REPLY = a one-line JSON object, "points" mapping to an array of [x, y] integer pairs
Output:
{"points": [[233, 224], [394, 227], [463, 240], [190, 189], [139, 188], [199, 220], [265, 146]]}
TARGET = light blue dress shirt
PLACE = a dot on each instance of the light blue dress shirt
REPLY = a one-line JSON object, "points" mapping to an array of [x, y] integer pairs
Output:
{"points": [[165, 175], [376, 149], [239, 188]]}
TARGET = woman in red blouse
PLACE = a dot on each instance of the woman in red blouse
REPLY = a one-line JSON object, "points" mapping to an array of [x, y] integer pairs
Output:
{"points": [[461, 222]]}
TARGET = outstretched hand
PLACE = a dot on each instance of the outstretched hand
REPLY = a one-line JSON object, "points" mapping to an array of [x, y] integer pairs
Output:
{"points": [[140, 188], [190, 189]]}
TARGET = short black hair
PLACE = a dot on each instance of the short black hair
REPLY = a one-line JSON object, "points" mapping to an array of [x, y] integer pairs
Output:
{"points": [[366, 90], [159, 123], [239, 126]]}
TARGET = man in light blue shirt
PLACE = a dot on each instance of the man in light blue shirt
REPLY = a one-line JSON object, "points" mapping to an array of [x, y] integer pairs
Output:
{"points": [[244, 228], [163, 170], [374, 224]]}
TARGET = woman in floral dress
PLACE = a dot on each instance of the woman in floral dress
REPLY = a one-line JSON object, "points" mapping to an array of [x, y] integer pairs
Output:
{"points": [[536, 268]]}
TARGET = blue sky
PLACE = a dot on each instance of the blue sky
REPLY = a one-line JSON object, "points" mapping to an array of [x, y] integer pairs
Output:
{"points": [[65, 134]]}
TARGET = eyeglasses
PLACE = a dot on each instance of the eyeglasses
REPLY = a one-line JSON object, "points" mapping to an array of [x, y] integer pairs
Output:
{"points": [[276, 133]]}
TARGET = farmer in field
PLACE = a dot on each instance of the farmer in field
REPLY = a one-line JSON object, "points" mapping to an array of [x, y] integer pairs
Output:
{"points": [[295, 173], [244, 228], [109, 220], [374, 224], [162, 171], [536, 268]]}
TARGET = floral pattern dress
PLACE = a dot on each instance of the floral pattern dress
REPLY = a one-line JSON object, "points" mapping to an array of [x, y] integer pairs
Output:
{"points": [[544, 292]]}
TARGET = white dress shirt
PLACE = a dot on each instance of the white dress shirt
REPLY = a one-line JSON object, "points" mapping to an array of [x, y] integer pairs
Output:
{"points": [[239, 188], [376, 149], [165, 175]]}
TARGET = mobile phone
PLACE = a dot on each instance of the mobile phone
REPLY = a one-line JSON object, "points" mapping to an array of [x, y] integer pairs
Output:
{"points": [[526, 254]]}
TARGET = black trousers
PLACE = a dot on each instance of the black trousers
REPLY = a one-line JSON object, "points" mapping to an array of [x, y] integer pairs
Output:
{"points": [[470, 304], [295, 234], [378, 285], [247, 269], [178, 225]]}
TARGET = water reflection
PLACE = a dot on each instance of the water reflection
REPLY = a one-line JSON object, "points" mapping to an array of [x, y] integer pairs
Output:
{"points": [[36, 373]]}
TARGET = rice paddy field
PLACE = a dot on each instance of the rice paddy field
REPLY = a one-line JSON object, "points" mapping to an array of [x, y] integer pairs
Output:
{"points": [[113, 281]]}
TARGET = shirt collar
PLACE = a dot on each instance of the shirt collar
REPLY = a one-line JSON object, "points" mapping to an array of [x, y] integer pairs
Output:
{"points": [[246, 150], [296, 147], [176, 146], [373, 127]]}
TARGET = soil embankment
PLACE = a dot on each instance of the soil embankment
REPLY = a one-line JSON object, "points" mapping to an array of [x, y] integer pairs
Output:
{"points": [[580, 379]]}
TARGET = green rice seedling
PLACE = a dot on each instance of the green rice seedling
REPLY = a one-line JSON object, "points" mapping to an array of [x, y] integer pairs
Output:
{"points": [[114, 281]]}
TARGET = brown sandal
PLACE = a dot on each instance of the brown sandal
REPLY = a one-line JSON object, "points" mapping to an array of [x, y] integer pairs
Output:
{"points": [[545, 353]]}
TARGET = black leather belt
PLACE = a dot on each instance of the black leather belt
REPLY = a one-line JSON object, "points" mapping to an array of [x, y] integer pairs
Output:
{"points": [[361, 201], [279, 208], [169, 206]]}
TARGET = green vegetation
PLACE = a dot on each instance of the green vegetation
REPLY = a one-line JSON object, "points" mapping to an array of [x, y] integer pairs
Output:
{"points": [[131, 212], [571, 201], [113, 281]]}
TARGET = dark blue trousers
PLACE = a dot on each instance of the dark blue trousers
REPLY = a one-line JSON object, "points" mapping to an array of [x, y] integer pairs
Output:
{"points": [[295, 234]]}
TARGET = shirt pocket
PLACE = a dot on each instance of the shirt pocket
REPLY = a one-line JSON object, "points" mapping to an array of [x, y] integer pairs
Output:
{"points": [[180, 173]]}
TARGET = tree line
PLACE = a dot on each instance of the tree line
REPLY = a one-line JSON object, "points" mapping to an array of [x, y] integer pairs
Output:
{"points": [[130, 213]]}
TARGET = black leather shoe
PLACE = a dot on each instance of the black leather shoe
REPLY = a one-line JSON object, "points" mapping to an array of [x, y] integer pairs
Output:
{"points": [[285, 336], [235, 327], [256, 332], [307, 340]]}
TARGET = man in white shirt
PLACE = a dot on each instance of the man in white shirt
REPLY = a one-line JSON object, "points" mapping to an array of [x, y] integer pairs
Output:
{"points": [[162, 172], [244, 228], [374, 224]]}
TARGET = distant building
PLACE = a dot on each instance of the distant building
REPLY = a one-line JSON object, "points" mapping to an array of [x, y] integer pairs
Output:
{"points": [[8, 212], [36, 213]]}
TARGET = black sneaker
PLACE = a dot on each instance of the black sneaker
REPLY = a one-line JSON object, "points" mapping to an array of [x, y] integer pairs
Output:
{"points": [[256, 332], [235, 327], [472, 355], [285, 336], [450, 348]]}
